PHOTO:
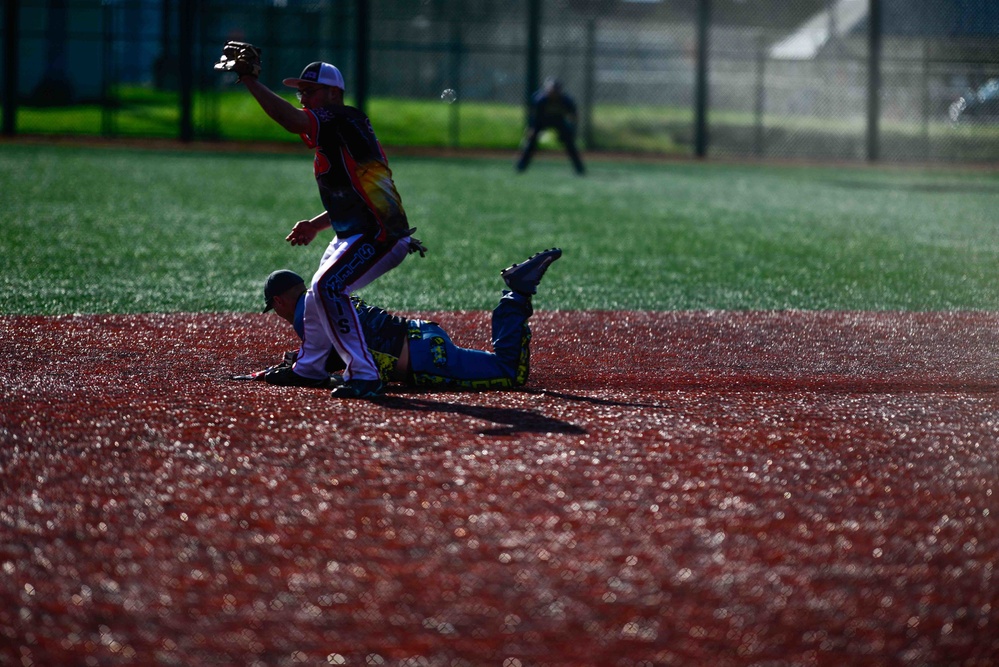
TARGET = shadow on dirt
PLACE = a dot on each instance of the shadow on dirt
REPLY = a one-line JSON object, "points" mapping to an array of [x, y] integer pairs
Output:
{"points": [[594, 401], [511, 421]]}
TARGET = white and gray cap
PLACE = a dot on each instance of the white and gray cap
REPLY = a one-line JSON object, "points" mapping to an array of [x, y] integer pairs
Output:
{"points": [[318, 72]]}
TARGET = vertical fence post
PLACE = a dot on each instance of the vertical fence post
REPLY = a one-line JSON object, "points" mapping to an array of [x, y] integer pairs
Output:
{"points": [[339, 35], [874, 81], [701, 86], [589, 70], [10, 48], [761, 94], [361, 55], [209, 109], [926, 97], [186, 63], [454, 127], [108, 70], [532, 75]]}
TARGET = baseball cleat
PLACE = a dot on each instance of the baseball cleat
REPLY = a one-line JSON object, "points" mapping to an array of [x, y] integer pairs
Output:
{"points": [[284, 376], [358, 389], [524, 277]]}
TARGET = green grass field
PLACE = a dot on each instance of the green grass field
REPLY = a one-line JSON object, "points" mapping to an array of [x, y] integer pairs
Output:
{"points": [[97, 230], [229, 113]]}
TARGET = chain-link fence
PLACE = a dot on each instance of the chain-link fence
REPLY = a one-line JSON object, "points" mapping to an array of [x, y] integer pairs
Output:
{"points": [[814, 79]]}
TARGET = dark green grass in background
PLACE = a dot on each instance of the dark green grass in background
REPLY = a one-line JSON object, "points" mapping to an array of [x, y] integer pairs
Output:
{"points": [[101, 230]]}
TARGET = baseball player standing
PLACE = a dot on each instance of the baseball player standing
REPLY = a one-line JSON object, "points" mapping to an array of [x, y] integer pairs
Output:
{"points": [[551, 108], [362, 205]]}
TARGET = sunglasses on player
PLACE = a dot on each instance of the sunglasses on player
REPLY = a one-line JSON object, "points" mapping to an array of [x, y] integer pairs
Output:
{"points": [[307, 92]]}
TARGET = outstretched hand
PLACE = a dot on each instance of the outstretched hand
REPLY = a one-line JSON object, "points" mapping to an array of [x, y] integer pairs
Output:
{"points": [[302, 233]]}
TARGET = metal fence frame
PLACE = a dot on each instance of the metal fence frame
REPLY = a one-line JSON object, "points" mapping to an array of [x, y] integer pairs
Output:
{"points": [[540, 34]]}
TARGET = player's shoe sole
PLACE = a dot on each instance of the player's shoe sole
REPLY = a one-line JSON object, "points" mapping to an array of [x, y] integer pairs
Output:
{"points": [[526, 276], [358, 389]]}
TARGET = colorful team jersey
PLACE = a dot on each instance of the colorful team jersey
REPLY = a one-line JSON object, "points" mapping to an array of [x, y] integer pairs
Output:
{"points": [[355, 182]]}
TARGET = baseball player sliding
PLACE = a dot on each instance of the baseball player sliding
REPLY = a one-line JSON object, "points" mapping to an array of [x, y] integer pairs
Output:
{"points": [[362, 205], [420, 353]]}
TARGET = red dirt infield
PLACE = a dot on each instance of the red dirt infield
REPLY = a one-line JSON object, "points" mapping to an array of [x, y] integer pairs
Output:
{"points": [[688, 488]]}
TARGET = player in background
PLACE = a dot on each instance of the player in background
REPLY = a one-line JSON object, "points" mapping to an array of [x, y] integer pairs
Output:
{"points": [[551, 108], [420, 353], [364, 209]]}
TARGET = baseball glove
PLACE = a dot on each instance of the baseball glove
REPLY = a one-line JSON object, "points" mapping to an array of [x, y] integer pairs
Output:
{"points": [[286, 362], [241, 58], [284, 376]]}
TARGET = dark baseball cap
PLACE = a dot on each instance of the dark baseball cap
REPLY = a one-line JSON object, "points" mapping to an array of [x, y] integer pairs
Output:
{"points": [[278, 283]]}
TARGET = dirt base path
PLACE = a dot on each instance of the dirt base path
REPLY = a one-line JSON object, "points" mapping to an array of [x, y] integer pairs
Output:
{"points": [[778, 488]]}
